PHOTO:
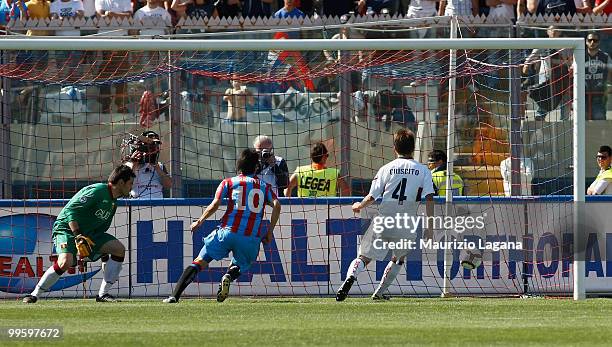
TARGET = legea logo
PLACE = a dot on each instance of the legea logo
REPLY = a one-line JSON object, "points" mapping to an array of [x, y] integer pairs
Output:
{"points": [[26, 251]]}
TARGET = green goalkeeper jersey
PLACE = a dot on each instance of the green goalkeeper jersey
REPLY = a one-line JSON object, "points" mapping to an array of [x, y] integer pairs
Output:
{"points": [[93, 207]]}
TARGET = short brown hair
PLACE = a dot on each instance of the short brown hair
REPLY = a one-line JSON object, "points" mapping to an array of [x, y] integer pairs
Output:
{"points": [[403, 142], [121, 173], [436, 155], [318, 152]]}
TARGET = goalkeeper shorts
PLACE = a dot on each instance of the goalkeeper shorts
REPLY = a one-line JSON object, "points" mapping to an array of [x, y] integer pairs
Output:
{"points": [[64, 243]]}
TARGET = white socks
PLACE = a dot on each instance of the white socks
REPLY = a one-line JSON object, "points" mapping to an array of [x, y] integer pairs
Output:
{"points": [[111, 273], [356, 267], [389, 276], [48, 279]]}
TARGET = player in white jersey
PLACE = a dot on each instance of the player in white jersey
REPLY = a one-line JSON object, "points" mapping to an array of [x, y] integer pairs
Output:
{"points": [[401, 183]]}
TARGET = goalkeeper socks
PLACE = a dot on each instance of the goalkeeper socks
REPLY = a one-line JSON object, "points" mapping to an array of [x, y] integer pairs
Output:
{"points": [[187, 277], [111, 273], [355, 268], [48, 279], [389, 276]]}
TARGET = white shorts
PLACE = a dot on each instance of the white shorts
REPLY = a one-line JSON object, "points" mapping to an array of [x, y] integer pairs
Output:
{"points": [[376, 245]]}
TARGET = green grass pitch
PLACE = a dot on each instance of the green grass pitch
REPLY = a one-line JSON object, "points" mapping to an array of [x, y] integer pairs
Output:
{"points": [[320, 321]]}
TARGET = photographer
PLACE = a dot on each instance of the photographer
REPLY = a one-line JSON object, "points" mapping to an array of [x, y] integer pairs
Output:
{"points": [[272, 169], [151, 175]]}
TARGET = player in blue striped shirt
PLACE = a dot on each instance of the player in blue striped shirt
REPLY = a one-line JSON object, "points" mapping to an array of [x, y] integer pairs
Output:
{"points": [[240, 227]]}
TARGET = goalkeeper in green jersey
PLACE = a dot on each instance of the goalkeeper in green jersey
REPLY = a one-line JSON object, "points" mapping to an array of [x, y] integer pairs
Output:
{"points": [[80, 230]]}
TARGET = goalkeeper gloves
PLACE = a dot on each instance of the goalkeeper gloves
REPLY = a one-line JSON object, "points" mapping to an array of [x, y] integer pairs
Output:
{"points": [[83, 245]]}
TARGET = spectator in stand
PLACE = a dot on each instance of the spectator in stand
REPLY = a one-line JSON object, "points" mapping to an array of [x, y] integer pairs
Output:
{"points": [[89, 10], [337, 8], [289, 10], [483, 9], [422, 9], [257, 8], [521, 9], [458, 8], [401, 6], [603, 7], [309, 7], [167, 4], [18, 9], [153, 9], [114, 9], [38, 9], [502, 8], [138, 4], [598, 73], [64, 9], [5, 13], [180, 8], [193, 8], [376, 6], [238, 97], [557, 7], [12, 9], [227, 8]]}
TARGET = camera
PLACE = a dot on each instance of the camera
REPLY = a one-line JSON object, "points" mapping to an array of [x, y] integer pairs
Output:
{"points": [[266, 154], [147, 145], [150, 153], [264, 158]]}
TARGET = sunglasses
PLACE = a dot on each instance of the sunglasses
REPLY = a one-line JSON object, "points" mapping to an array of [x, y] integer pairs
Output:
{"points": [[602, 157], [592, 40]]}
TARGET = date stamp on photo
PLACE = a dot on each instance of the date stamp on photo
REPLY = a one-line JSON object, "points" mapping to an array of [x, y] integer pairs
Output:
{"points": [[31, 333]]}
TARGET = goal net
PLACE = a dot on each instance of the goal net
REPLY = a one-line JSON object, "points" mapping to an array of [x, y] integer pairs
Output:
{"points": [[502, 111]]}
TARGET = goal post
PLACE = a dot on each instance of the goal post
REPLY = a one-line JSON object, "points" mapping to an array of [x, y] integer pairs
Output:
{"points": [[579, 165], [325, 246]]}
